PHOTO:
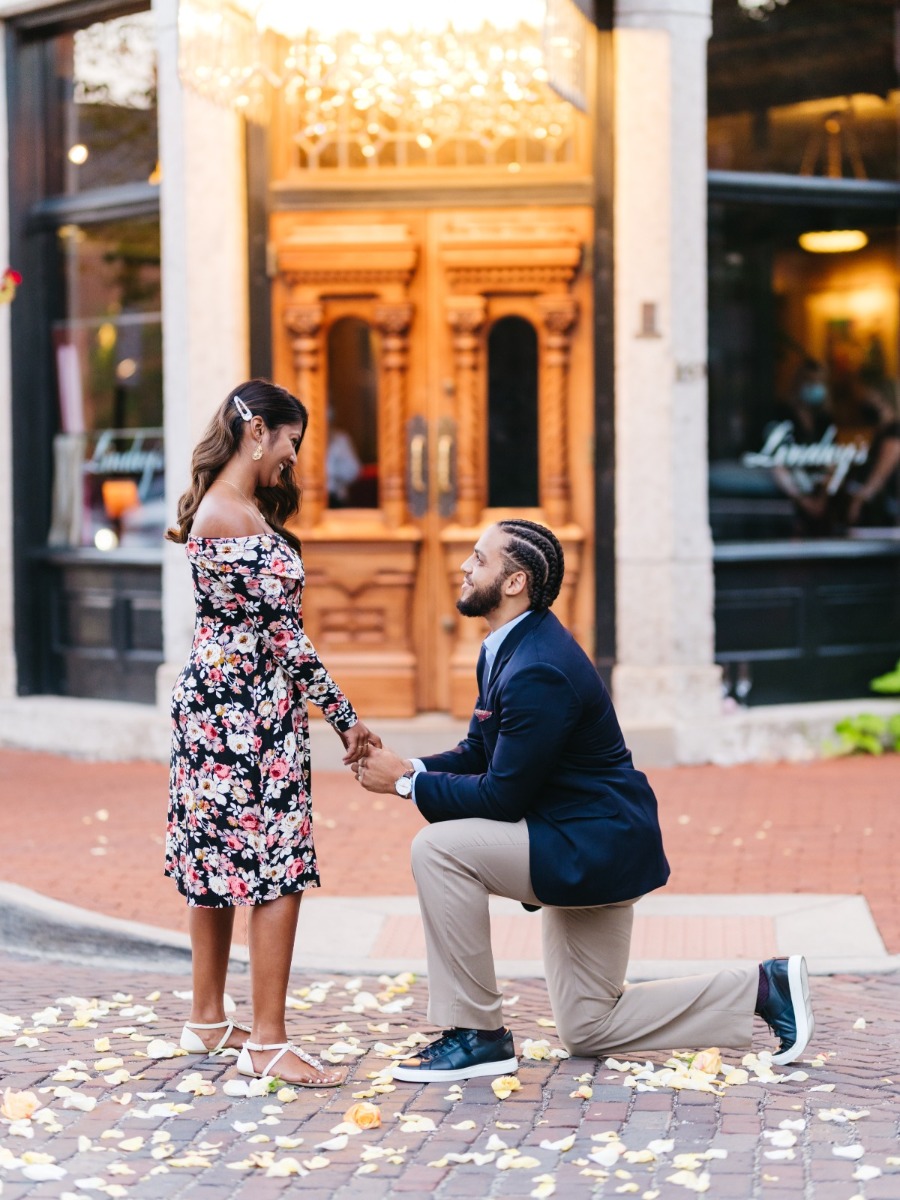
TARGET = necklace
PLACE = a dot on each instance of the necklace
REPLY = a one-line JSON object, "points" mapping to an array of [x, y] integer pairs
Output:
{"points": [[247, 501], [242, 495]]}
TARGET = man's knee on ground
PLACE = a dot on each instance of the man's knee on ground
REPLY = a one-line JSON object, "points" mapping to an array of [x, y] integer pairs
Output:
{"points": [[583, 1036], [579, 1040]]}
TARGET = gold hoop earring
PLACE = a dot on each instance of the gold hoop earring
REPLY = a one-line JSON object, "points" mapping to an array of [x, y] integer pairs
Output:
{"points": [[258, 452]]}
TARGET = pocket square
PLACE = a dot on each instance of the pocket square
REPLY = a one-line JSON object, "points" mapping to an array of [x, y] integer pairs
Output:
{"points": [[483, 713]]}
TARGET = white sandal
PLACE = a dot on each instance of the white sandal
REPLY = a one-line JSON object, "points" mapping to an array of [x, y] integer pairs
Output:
{"points": [[245, 1064], [194, 1044]]}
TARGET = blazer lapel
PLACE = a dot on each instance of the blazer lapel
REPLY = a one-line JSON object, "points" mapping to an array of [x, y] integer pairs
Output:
{"points": [[510, 643]]}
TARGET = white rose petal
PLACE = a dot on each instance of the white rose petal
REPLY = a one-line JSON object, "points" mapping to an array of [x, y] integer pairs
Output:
{"points": [[159, 1048], [852, 1152], [865, 1173], [335, 1143], [783, 1137], [563, 1144], [43, 1172], [607, 1156]]}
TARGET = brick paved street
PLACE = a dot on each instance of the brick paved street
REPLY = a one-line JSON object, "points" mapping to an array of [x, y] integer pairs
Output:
{"points": [[91, 834], [132, 1145]]}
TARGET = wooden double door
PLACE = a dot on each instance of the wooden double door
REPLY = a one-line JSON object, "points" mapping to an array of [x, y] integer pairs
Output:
{"points": [[446, 361]]}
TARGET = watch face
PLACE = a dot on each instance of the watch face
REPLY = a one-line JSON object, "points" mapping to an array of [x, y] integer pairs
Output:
{"points": [[403, 786]]}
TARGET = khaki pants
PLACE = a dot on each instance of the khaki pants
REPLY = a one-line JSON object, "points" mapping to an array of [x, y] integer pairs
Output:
{"points": [[458, 864]]}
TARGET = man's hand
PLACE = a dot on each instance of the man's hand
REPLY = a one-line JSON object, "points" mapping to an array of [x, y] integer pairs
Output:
{"points": [[380, 770]]}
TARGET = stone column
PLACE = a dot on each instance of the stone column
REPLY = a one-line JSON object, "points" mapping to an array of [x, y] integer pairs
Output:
{"points": [[304, 323], [466, 315], [559, 314], [204, 284], [665, 678], [393, 321]]}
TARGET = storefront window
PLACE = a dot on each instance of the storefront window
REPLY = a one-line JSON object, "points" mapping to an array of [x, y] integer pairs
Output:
{"points": [[108, 460], [86, 350], [804, 375], [804, 334], [102, 106]]}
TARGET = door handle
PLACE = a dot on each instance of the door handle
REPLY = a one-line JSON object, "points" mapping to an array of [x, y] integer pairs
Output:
{"points": [[417, 462], [446, 467], [417, 466], [445, 450]]}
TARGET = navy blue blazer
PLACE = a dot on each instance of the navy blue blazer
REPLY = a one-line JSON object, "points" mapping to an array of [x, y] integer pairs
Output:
{"points": [[544, 743]]}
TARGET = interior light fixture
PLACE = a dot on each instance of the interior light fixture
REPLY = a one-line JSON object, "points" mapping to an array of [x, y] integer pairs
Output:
{"points": [[833, 241], [78, 154], [370, 76]]}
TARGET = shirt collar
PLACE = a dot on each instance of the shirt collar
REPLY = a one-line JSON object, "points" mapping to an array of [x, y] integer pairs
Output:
{"points": [[494, 640]]}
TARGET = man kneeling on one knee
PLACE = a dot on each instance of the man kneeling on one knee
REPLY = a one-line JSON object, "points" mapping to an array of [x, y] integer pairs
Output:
{"points": [[541, 803]]}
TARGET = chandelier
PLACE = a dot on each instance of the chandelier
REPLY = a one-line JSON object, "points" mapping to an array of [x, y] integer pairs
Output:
{"points": [[397, 82], [760, 9]]}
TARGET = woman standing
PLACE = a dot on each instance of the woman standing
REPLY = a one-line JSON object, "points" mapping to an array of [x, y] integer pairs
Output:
{"points": [[239, 830]]}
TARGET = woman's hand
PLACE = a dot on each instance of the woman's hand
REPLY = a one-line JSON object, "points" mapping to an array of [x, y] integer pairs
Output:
{"points": [[357, 741]]}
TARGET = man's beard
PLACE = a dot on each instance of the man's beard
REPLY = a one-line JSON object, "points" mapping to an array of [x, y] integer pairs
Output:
{"points": [[483, 600]]}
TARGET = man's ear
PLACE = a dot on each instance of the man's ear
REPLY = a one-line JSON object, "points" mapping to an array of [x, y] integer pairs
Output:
{"points": [[516, 583]]}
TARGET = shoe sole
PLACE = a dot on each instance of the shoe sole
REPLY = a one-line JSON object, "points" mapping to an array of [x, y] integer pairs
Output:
{"points": [[798, 982], [433, 1075]]}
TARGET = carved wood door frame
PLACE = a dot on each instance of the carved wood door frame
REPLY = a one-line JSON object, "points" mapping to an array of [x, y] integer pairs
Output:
{"points": [[380, 605]]}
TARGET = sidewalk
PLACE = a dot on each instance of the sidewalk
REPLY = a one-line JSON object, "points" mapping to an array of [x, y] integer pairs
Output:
{"points": [[91, 835]]}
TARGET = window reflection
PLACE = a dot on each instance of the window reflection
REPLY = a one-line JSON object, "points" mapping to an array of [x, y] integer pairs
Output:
{"points": [[853, 137], [512, 414], [809, 89], [352, 460], [103, 122]]}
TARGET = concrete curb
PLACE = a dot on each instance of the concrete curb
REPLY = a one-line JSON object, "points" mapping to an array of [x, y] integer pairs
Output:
{"points": [[33, 925]]}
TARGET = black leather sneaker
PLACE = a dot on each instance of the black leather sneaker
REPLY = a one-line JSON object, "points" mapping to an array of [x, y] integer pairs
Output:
{"points": [[788, 1009], [460, 1054]]}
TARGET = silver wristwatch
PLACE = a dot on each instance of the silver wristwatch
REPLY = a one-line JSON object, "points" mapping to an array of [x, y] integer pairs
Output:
{"points": [[403, 785]]}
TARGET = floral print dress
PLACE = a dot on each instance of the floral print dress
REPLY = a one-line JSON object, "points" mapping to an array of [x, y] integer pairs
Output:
{"points": [[240, 825]]}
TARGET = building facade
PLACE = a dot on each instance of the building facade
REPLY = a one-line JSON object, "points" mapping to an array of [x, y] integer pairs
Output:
{"points": [[573, 290]]}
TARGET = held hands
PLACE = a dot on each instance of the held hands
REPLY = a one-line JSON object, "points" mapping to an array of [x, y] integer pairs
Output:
{"points": [[357, 742], [379, 770]]}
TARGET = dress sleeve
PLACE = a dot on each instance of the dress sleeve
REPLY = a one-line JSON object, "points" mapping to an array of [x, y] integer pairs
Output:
{"points": [[262, 580]]}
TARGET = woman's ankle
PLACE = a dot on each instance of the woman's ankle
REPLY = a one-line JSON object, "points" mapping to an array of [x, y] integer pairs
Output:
{"points": [[207, 1016], [262, 1035]]}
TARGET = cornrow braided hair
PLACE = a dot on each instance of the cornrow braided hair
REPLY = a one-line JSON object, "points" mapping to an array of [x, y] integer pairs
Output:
{"points": [[535, 550]]}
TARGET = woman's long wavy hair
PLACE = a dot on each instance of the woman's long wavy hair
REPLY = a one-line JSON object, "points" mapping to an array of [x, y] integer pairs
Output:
{"points": [[221, 442]]}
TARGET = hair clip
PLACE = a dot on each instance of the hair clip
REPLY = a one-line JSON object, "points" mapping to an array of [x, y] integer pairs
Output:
{"points": [[242, 408]]}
